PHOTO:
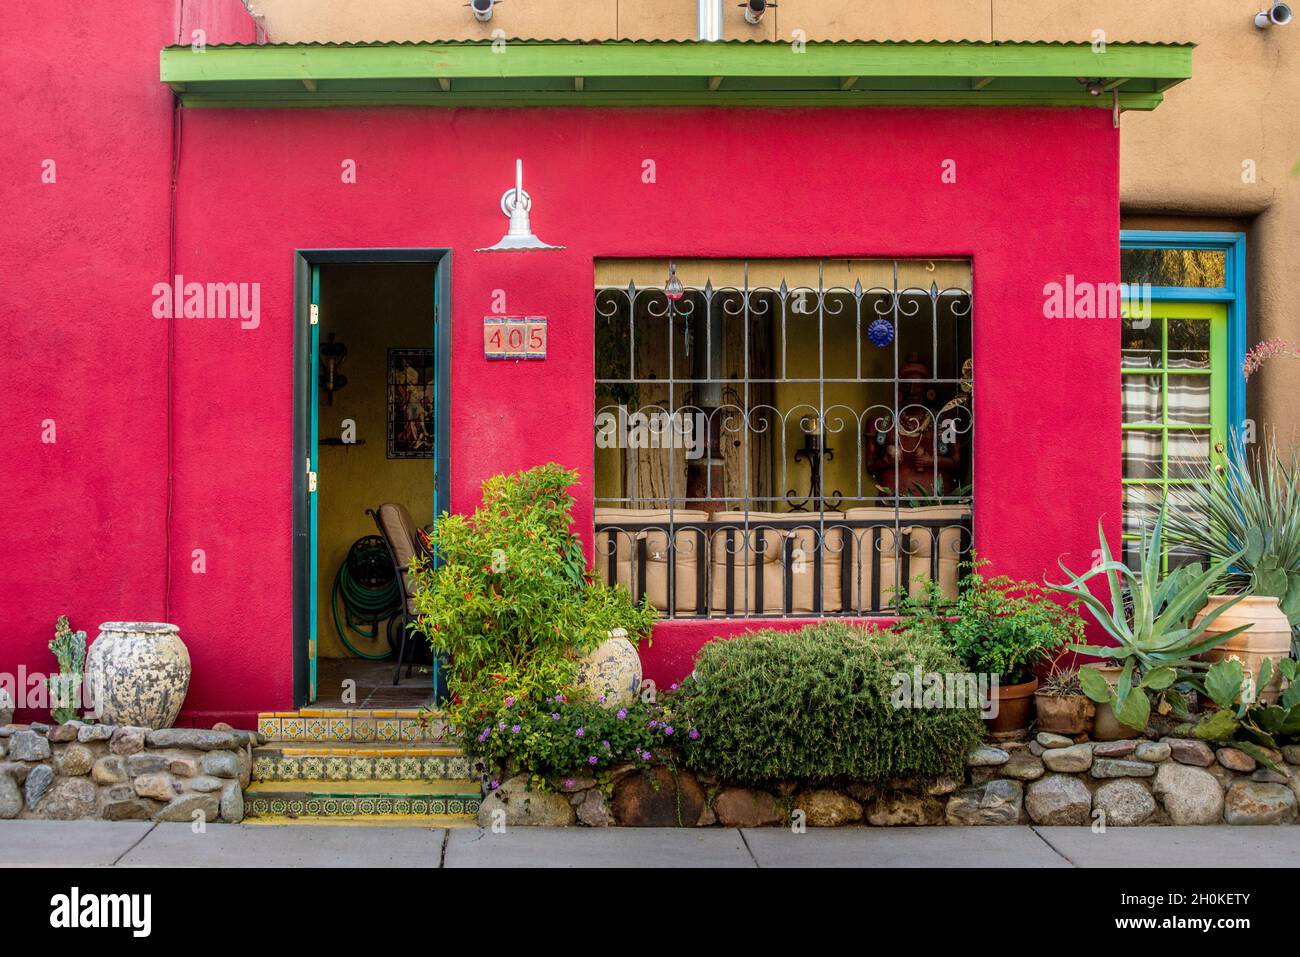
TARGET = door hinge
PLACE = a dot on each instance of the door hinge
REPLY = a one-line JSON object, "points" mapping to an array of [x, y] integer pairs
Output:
{"points": [[315, 314], [311, 477]]}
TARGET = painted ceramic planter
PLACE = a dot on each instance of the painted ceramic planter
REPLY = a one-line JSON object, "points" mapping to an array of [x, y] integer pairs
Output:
{"points": [[138, 672], [1269, 636], [1068, 714], [612, 670], [1015, 710]]}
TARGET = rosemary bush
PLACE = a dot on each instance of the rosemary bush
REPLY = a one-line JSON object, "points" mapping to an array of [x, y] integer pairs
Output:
{"points": [[815, 705]]}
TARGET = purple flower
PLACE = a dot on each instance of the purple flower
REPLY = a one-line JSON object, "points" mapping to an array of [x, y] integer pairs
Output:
{"points": [[601, 699], [560, 698], [502, 726], [606, 744], [673, 686], [515, 729], [492, 786], [569, 783], [622, 713], [510, 702], [555, 716], [580, 732], [693, 734], [653, 723], [668, 729], [484, 736], [645, 755], [592, 760]]}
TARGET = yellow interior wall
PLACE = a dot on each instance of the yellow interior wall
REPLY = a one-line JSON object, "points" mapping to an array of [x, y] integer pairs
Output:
{"points": [[370, 309]]}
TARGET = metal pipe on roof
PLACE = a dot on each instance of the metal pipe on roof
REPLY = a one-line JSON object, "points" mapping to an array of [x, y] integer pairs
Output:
{"points": [[710, 19]]}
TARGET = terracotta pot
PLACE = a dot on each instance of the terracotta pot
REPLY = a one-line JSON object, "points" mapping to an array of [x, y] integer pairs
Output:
{"points": [[1269, 636], [1105, 727], [1064, 714], [1015, 710], [138, 673]]}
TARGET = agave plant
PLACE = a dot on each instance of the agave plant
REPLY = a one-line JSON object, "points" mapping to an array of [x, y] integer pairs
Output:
{"points": [[1250, 510], [1156, 644]]}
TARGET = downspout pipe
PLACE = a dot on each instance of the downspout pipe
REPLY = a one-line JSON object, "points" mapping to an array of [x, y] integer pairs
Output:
{"points": [[710, 20]]}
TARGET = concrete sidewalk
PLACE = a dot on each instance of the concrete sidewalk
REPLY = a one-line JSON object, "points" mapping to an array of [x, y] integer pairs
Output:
{"points": [[107, 844]]}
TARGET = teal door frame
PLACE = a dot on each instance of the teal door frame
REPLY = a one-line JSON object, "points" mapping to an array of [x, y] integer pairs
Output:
{"points": [[306, 347]]}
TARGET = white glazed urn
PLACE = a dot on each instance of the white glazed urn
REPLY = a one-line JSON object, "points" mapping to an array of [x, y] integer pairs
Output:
{"points": [[612, 670], [138, 673]]}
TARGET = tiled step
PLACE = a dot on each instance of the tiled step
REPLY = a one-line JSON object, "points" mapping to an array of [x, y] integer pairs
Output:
{"points": [[361, 799], [359, 726], [284, 761]]}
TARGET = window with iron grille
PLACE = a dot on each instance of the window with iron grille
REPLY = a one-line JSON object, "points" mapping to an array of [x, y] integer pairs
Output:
{"points": [[782, 437]]}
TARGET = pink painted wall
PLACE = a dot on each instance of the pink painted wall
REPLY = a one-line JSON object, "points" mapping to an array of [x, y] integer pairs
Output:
{"points": [[1035, 198]]}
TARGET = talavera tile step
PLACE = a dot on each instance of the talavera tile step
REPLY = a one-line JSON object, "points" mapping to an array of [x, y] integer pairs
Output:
{"points": [[361, 726], [329, 799], [283, 761]]}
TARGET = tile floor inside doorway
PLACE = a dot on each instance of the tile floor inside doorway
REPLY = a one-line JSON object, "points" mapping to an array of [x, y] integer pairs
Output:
{"points": [[374, 684]]}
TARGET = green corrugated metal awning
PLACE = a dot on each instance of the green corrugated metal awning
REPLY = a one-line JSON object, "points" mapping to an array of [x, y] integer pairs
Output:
{"points": [[668, 72]]}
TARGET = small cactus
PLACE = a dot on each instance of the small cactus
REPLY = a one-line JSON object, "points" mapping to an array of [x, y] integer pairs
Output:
{"points": [[69, 648]]}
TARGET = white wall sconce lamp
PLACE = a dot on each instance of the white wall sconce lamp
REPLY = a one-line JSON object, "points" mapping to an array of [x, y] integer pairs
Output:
{"points": [[516, 204], [1278, 15], [754, 10], [482, 9]]}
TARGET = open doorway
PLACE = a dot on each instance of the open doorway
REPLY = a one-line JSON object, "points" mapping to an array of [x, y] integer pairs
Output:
{"points": [[371, 420]]}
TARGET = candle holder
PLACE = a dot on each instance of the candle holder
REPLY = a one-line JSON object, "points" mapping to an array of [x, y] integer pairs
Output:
{"points": [[814, 453]]}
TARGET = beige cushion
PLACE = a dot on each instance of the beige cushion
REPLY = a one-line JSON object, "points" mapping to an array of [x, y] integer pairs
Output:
{"points": [[952, 539], [685, 553], [748, 557], [400, 530]]}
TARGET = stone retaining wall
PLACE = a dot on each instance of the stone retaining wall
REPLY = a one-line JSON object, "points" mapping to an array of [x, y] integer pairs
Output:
{"points": [[1049, 780], [75, 771]]}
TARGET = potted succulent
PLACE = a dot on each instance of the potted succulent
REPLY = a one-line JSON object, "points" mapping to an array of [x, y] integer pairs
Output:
{"points": [[1155, 644], [1061, 705], [1003, 628], [1250, 509]]}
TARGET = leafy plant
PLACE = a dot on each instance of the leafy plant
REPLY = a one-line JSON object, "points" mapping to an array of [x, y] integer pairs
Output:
{"points": [[554, 737], [1240, 718], [1157, 644], [815, 705], [996, 625], [1247, 517], [512, 585], [69, 648], [511, 603]]}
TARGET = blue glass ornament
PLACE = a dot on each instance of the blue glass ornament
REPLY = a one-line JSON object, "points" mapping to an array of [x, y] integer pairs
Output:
{"points": [[881, 332]]}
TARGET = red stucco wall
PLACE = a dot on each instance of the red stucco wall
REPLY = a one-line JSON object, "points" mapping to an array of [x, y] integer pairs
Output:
{"points": [[1035, 198]]}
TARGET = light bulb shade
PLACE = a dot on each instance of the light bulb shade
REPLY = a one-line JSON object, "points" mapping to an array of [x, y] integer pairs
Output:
{"points": [[516, 204], [673, 289]]}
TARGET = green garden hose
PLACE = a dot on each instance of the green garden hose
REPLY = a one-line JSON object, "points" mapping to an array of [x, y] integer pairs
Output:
{"points": [[367, 587]]}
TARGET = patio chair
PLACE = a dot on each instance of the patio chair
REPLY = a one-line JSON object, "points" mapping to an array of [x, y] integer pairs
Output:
{"points": [[402, 537]]}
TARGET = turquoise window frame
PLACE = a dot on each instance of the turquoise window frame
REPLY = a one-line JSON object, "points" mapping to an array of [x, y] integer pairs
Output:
{"points": [[1233, 293]]}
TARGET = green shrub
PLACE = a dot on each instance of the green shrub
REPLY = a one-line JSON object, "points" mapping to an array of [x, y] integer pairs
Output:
{"points": [[997, 626], [511, 603], [815, 705]]}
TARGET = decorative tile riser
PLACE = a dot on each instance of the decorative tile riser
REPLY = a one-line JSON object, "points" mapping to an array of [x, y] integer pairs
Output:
{"points": [[306, 767], [352, 729], [359, 805]]}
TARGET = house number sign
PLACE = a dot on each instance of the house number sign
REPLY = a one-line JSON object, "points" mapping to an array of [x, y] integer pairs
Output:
{"points": [[514, 337]]}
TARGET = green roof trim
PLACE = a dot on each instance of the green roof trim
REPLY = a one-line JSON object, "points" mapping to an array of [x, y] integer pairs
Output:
{"points": [[675, 73]]}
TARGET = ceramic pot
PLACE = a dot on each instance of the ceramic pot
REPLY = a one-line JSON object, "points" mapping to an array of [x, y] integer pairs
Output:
{"points": [[612, 670], [1269, 636], [138, 673], [1015, 711], [1067, 714], [1105, 726]]}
